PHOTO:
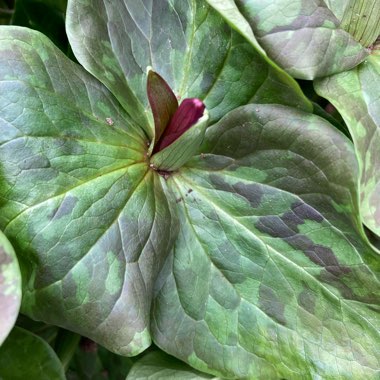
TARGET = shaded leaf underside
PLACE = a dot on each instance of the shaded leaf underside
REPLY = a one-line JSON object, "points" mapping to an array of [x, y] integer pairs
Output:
{"points": [[27, 356], [160, 366], [355, 94]]}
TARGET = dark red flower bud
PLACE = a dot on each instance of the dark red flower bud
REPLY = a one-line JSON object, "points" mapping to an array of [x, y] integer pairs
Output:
{"points": [[187, 114]]}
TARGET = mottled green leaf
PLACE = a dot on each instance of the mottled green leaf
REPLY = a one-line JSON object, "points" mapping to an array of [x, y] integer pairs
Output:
{"points": [[355, 94], [302, 36], [271, 276], [186, 42], [78, 199], [10, 287], [26, 356], [160, 366]]}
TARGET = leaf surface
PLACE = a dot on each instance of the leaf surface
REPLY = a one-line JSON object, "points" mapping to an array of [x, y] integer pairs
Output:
{"points": [[160, 366], [337, 7], [10, 287], [79, 201], [27, 356], [271, 276], [355, 94], [186, 42], [302, 36]]}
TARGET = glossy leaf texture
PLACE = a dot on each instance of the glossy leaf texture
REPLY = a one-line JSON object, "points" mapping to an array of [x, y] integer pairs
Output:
{"points": [[271, 276], [10, 287], [302, 36], [187, 43], [27, 356], [78, 201], [355, 94], [159, 366]]}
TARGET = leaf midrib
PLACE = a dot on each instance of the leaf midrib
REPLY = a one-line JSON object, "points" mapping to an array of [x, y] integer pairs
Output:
{"points": [[132, 191], [28, 208]]}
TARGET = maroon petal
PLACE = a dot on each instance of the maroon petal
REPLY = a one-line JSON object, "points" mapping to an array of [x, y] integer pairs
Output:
{"points": [[187, 114], [162, 101]]}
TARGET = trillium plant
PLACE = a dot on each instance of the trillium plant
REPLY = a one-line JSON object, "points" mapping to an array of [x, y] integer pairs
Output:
{"points": [[190, 189]]}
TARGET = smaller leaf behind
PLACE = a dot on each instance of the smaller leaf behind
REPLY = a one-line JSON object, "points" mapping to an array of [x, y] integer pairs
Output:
{"points": [[355, 94], [159, 366], [337, 7], [302, 36], [27, 356], [93, 362]]}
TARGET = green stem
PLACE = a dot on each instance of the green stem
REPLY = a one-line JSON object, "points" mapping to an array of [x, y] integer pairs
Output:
{"points": [[362, 20], [65, 346]]}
